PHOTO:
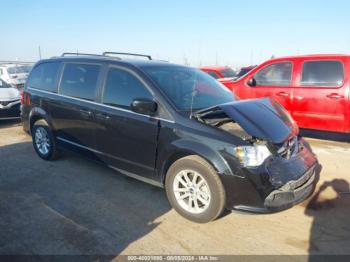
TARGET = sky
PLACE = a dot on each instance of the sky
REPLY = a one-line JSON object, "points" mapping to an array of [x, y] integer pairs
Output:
{"points": [[196, 32]]}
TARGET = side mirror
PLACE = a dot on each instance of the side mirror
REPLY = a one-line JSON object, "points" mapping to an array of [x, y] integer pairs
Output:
{"points": [[144, 106], [251, 82]]}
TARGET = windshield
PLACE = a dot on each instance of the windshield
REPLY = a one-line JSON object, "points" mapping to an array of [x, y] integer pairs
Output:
{"points": [[3, 84], [19, 69], [185, 86], [228, 72]]}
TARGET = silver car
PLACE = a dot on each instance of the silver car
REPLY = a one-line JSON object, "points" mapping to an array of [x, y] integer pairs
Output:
{"points": [[10, 101]]}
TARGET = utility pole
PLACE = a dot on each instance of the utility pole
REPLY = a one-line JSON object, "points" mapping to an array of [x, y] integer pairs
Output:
{"points": [[39, 49], [251, 56]]}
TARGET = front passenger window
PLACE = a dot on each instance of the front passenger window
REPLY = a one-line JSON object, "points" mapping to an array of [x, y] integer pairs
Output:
{"points": [[278, 74], [122, 88]]}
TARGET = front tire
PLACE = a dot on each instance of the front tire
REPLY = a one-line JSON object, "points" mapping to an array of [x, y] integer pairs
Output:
{"points": [[43, 141], [195, 190]]}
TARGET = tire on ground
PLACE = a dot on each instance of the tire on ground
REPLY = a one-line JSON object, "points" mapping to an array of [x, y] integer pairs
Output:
{"points": [[53, 151], [217, 191]]}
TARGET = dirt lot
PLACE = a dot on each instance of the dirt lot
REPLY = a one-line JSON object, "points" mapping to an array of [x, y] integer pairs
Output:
{"points": [[74, 206]]}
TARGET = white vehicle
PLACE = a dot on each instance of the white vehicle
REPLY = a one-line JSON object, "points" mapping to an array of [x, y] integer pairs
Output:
{"points": [[10, 101], [15, 73]]}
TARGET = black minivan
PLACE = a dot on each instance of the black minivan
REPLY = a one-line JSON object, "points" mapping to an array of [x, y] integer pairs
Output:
{"points": [[171, 126]]}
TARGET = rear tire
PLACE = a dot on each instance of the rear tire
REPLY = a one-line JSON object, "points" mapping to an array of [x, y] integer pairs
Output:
{"points": [[194, 189], [43, 141]]}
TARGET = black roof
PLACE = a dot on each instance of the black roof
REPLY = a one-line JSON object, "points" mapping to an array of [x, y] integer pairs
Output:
{"points": [[112, 60]]}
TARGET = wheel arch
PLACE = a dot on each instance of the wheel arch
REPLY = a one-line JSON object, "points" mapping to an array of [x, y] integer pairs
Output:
{"points": [[36, 114], [183, 148]]}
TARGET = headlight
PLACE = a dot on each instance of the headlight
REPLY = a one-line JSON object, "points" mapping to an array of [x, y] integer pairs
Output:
{"points": [[251, 156]]}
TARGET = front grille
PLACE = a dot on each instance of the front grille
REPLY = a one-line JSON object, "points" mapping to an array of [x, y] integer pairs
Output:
{"points": [[289, 148], [5, 103], [11, 112]]}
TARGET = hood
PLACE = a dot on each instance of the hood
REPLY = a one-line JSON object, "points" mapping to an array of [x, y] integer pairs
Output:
{"points": [[18, 78], [261, 118], [8, 94]]}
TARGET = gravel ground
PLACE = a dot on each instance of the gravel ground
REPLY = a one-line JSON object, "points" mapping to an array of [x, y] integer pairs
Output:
{"points": [[75, 206]]}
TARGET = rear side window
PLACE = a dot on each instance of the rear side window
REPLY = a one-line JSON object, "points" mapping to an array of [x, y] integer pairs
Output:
{"points": [[122, 88], [80, 80], [45, 77], [278, 74], [322, 73]]}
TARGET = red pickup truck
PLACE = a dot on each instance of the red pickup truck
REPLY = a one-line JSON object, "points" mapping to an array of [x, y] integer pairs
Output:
{"points": [[314, 89]]}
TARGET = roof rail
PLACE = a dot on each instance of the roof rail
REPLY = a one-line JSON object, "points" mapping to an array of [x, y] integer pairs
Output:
{"points": [[131, 54], [83, 54]]}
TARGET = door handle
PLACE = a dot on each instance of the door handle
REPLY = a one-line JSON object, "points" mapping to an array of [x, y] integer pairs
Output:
{"points": [[335, 96], [86, 112], [282, 94], [103, 116]]}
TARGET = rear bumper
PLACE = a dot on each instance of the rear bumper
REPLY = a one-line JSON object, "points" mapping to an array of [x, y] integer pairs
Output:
{"points": [[25, 118]]}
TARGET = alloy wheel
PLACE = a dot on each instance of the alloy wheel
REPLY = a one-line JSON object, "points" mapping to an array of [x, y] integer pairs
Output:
{"points": [[191, 191], [42, 140]]}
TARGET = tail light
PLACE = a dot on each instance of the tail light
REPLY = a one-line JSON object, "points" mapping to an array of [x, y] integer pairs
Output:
{"points": [[22, 97], [25, 99]]}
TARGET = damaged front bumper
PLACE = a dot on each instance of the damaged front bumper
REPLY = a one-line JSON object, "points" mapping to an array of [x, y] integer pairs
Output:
{"points": [[292, 193], [276, 185]]}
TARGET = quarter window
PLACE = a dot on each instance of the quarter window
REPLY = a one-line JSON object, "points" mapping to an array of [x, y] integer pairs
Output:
{"points": [[122, 88], [322, 73], [45, 77], [278, 74], [80, 80]]}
